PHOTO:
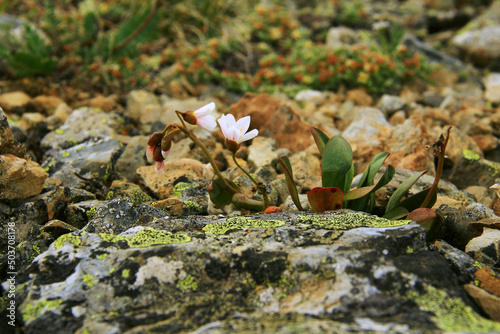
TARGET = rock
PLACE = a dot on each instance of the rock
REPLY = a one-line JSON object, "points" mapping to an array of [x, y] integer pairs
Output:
{"points": [[86, 163], [481, 46], [486, 142], [340, 36], [359, 96], [140, 103], [472, 170], [486, 247], [489, 303], [46, 104], [310, 96], [79, 214], [389, 104], [180, 170], [432, 99], [270, 273], [132, 158], [105, 103], [8, 144], [20, 178], [274, 118], [261, 152], [82, 125], [492, 87], [14, 102], [462, 264]]}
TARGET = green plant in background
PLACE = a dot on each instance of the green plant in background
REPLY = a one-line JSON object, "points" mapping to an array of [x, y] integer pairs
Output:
{"points": [[27, 59], [337, 174]]}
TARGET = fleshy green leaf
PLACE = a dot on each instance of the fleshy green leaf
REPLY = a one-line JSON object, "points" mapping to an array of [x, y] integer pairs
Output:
{"points": [[396, 213], [220, 193], [324, 199], [337, 160], [348, 179], [320, 139], [360, 204], [292, 189], [372, 169], [403, 189]]}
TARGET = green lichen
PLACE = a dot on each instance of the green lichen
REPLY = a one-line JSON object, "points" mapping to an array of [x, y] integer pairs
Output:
{"points": [[74, 239], [187, 283], [89, 280], [59, 131], [493, 169], [102, 256], [350, 220], [110, 195], [91, 212], [239, 223], [125, 273], [193, 207], [147, 237], [470, 156], [112, 270], [451, 314], [36, 248], [179, 187], [34, 311], [65, 154], [477, 265], [72, 141]]}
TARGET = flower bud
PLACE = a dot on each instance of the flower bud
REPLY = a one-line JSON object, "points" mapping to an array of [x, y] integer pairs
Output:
{"points": [[157, 154], [190, 117], [155, 139], [166, 144]]}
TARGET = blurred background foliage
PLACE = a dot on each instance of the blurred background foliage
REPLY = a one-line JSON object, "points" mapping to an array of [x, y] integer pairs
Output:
{"points": [[182, 46]]}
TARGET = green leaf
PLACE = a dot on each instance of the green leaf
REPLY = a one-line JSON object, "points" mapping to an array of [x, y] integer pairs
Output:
{"points": [[320, 139], [337, 161], [361, 203], [415, 201], [292, 189], [220, 193], [324, 199], [402, 190], [244, 202], [372, 169], [348, 179], [396, 213]]}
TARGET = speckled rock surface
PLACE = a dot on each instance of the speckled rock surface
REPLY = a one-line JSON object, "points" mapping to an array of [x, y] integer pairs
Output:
{"points": [[283, 272]]}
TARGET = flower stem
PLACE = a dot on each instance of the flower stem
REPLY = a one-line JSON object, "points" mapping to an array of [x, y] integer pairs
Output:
{"points": [[195, 139], [261, 186]]}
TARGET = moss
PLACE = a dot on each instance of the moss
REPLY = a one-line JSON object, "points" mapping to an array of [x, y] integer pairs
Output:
{"points": [[179, 187], [34, 311], [451, 314], [187, 283], [350, 220], [147, 237], [125, 273], [238, 223], [88, 280], [470, 156], [71, 238]]}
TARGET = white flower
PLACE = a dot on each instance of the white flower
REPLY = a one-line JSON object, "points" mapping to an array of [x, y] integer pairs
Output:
{"points": [[204, 119], [236, 131]]}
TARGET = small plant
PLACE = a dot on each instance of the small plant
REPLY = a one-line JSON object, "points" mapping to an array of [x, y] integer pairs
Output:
{"points": [[338, 173], [222, 191]]}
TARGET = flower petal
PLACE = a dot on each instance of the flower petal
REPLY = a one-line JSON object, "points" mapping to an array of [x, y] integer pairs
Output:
{"points": [[205, 110], [243, 124], [226, 122], [207, 122], [149, 153], [249, 135]]}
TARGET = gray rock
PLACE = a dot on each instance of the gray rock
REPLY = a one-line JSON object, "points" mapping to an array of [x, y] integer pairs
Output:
{"points": [[132, 158], [492, 87], [89, 161], [368, 128], [472, 170], [340, 36], [462, 264], [481, 46], [486, 247], [389, 104], [294, 271], [82, 125]]}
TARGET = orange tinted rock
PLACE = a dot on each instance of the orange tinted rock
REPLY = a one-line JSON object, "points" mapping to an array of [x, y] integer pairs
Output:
{"points": [[20, 178], [13, 100], [46, 103], [275, 118]]}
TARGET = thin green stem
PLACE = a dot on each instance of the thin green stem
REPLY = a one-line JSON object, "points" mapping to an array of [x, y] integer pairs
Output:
{"points": [[259, 185], [195, 139]]}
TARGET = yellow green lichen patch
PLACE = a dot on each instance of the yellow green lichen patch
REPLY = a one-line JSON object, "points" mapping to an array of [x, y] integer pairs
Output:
{"points": [[187, 283], [349, 220], [147, 237], [125, 273], [102, 256], [34, 311], [451, 314], [239, 223], [179, 187], [74, 239], [470, 156], [88, 280], [59, 131]]}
